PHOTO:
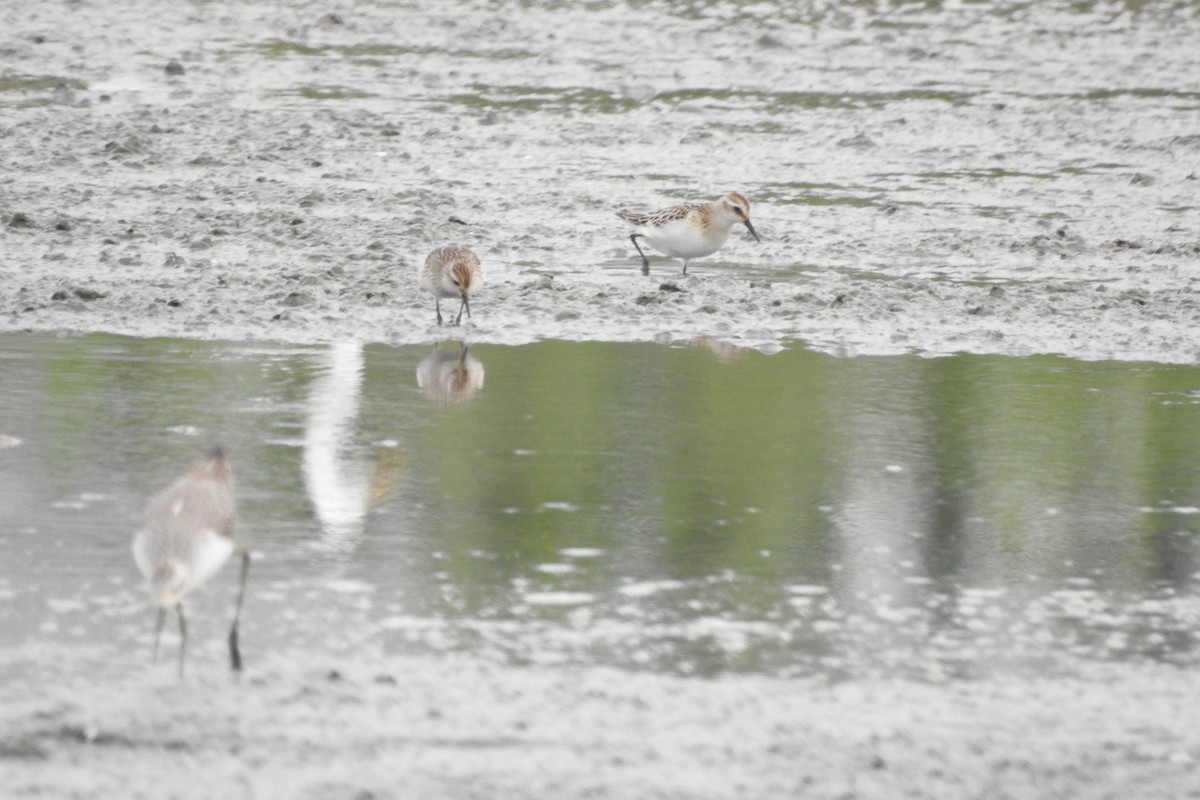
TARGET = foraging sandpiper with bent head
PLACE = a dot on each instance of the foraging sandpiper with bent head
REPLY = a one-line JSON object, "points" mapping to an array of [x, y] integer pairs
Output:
{"points": [[691, 230], [186, 536], [451, 271]]}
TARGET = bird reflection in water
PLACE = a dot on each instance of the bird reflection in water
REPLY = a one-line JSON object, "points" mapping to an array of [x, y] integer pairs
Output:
{"points": [[723, 350], [449, 377]]}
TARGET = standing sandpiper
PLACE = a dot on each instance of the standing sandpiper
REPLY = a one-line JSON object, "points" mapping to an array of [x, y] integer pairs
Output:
{"points": [[691, 230], [451, 271], [186, 536]]}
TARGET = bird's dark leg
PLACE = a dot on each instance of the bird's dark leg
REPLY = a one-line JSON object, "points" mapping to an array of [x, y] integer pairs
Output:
{"points": [[182, 637], [437, 304], [235, 653], [465, 305], [162, 614], [633, 237]]}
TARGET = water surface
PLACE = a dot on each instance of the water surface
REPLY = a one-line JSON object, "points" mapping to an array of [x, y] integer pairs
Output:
{"points": [[671, 509]]}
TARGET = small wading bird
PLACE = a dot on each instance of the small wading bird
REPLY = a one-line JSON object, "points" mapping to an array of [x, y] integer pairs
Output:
{"points": [[451, 271], [691, 230], [186, 536]]}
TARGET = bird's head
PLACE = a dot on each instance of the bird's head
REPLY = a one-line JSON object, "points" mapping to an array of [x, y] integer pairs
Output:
{"points": [[738, 207]]}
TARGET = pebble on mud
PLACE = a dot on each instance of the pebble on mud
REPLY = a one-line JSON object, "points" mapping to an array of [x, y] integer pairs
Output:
{"points": [[131, 146], [542, 282], [298, 299], [82, 294]]}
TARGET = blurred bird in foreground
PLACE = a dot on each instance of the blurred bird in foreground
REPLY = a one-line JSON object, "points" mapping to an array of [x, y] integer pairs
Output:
{"points": [[186, 536]]}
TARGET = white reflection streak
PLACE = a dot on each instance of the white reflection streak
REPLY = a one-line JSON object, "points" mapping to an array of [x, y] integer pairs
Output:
{"points": [[337, 483]]}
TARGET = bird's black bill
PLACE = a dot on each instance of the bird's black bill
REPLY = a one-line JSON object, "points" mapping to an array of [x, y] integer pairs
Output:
{"points": [[752, 231]]}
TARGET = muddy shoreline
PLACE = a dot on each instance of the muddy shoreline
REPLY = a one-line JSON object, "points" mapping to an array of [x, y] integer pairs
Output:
{"points": [[451, 728], [285, 178]]}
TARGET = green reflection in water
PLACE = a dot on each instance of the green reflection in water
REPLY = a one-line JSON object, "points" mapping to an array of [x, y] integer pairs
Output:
{"points": [[735, 485]]}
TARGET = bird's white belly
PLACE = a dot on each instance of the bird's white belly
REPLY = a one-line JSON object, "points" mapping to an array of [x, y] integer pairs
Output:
{"points": [[142, 555], [197, 559], [684, 240], [211, 552]]}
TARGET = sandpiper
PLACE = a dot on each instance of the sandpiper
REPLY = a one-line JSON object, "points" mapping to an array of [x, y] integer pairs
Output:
{"points": [[186, 536], [451, 271], [690, 230]]}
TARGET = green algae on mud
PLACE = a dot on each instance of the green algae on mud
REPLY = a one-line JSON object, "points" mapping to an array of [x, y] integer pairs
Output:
{"points": [[37, 83], [327, 92]]}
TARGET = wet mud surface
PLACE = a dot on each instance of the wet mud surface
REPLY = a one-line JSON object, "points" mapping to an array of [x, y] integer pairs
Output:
{"points": [[1013, 179], [1001, 178], [400, 728]]}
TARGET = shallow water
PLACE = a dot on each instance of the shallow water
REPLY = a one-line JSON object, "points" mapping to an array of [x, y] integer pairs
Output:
{"points": [[670, 509]]}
